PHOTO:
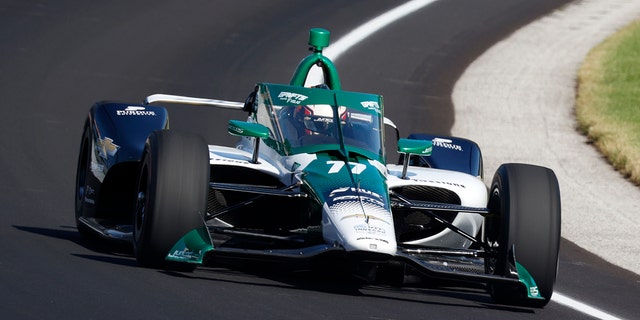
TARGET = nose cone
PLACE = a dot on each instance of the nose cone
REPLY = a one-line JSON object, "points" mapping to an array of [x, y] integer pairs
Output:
{"points": [[360, 226], [372, 236]]}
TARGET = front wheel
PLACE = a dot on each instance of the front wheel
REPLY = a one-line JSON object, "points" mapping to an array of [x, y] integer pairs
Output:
{"points": [[172, 194], [525, 221]]}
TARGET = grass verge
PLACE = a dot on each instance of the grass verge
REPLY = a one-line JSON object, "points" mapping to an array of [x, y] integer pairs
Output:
{"points": [[608, 100]]}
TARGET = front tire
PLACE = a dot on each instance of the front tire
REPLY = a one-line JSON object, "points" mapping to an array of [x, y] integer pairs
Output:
{"points": [[525, 216], [172, 194]]}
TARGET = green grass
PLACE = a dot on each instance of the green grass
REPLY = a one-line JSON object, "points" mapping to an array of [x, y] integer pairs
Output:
{"points": [[608, 100]]}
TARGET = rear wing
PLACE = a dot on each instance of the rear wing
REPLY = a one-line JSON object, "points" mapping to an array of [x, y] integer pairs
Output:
{"points": [[169, 98]]}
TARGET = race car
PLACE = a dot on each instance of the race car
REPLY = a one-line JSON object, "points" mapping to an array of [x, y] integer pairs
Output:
{"points": [[308, 182]]}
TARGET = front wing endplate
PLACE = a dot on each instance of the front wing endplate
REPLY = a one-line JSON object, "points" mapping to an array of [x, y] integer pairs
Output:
{"points": [[527, 280], [192, 247]]}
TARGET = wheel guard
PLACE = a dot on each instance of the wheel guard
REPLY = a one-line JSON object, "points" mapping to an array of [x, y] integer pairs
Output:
{"points": [[192, 247]]}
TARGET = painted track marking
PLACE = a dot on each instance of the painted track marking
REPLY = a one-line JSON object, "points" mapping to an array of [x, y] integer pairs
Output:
{"points": [[582, 307]]}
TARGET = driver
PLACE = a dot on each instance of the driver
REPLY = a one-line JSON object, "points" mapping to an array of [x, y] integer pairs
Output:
{"points": [[309, 120], [316, 119]]}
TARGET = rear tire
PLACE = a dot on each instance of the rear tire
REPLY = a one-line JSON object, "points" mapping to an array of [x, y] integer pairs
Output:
{"points": [[83, 173], [172, 195], [525, 206]]}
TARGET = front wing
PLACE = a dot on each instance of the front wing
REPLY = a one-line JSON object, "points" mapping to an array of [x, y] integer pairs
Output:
{"points": [[453, 264]]}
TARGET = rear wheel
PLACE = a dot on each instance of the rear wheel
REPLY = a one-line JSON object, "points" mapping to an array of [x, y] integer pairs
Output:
{"points": [[172, 195], [82, 181], [525, 207]]}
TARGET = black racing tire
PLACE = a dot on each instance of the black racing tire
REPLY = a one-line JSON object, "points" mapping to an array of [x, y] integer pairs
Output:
{"points": [[524, 202], [172, 195], [83, 172]]}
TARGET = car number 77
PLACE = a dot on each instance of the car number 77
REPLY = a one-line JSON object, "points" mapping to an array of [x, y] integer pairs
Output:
{"points": [[336, 166]]}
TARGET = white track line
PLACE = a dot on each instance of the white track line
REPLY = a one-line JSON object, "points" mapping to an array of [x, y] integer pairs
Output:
{"points": [[582, 307], [370, 27], [362, 32]]}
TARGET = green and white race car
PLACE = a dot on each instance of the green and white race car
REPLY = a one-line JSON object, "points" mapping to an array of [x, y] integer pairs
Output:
{"points": [[308, 182]]}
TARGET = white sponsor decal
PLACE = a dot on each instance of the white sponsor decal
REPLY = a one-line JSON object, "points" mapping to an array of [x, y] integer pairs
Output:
{"points": [[372, 105], [360, 191], [374, 239], [446, 143], [185, 254], [446, 183], [361, 117], [534, 291], [368, 229], [291, 97], [135, 111], [236, 129]]}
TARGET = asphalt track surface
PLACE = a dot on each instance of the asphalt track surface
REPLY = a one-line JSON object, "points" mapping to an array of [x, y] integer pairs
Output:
{"points": [[58, 58]]}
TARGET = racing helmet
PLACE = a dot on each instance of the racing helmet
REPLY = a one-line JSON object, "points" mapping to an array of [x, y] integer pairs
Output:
{"points": [[318, 118]]}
